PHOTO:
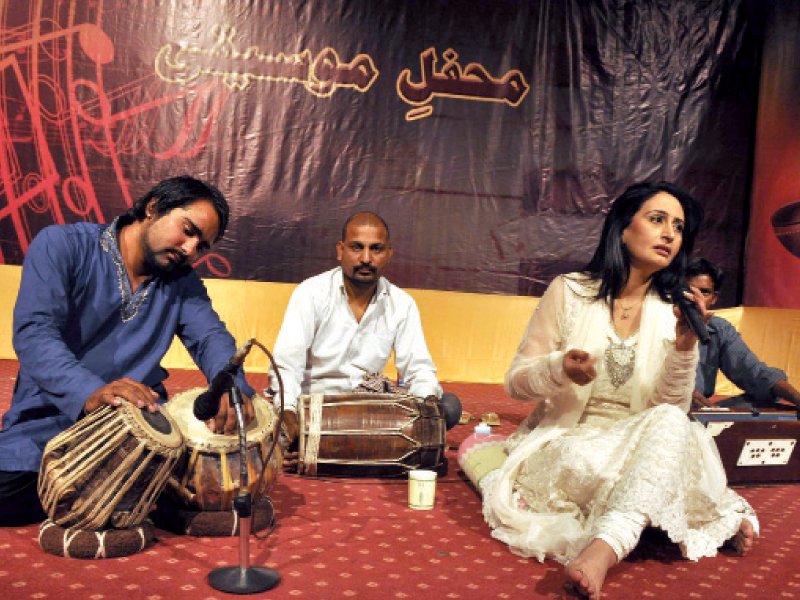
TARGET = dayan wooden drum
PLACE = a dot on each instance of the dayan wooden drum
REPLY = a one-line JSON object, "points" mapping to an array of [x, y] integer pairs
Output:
{"points": [[207, 476], [108, 468], [369, 435]]}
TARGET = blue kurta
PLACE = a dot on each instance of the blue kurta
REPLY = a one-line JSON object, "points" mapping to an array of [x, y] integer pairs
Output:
{"points": [[727, 351], [77, 327]]}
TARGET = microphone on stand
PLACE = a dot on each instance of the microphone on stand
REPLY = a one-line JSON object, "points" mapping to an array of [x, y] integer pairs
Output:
{"points": [[690, 312], [244, 578], [206, 405]]}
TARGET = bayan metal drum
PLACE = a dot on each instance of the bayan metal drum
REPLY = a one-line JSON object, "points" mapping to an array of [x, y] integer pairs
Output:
{"points": [[108, 468], [369, 435], [207, 477]]}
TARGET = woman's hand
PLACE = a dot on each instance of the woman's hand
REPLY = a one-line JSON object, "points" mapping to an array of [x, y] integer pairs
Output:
{"points": [[579, 366], [685, 338]]}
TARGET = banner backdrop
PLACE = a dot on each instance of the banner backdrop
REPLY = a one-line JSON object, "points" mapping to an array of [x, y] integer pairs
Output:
{"points": [[492, 136], [773, 245]]}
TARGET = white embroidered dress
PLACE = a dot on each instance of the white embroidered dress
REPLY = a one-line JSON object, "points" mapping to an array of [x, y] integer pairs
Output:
{"points": [[589, 450]]}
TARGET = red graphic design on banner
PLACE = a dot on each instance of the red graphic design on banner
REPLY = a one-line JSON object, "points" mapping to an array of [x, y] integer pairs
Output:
{"points": [[491, 138]]}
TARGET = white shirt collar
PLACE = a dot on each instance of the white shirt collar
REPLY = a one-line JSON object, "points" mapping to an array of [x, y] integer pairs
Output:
{"points": [[383, 288]]}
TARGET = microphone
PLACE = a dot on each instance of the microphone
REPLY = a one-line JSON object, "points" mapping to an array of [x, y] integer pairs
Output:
{"points": [[206, 405], [691, 313]]}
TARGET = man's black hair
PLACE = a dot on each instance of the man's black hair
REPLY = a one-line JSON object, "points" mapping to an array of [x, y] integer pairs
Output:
{"points": [[702, 266], [177, 192]]}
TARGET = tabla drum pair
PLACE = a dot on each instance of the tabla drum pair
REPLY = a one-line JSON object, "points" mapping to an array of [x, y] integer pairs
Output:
{"points": [[106, 471], [369, 435]]}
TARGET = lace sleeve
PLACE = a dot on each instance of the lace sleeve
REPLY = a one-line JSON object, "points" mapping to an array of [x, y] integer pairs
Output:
{"points": [[676, 380], [537, 370]]}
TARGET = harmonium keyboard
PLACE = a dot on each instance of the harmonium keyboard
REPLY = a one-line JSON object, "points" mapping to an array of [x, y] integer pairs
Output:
{"points": [[756, 447]]}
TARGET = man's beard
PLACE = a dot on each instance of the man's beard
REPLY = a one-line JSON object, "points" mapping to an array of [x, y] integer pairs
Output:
{"points": [[156, 268]]}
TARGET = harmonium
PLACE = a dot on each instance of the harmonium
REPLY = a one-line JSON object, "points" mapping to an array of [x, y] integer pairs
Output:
{"points": [[756, 446]]}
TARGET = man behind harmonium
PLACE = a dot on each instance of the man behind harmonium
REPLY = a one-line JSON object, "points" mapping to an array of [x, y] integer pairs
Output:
{"points": [[341, 326], [763, 385], [97, 309]]}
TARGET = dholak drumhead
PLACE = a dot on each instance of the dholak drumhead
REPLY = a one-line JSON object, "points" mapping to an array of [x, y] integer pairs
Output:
{"points": [[207, 477], [108, 468], [369, 435]]}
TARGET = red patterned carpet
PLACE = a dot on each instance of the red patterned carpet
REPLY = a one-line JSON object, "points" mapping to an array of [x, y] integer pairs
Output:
{"points": [[358, 539]]}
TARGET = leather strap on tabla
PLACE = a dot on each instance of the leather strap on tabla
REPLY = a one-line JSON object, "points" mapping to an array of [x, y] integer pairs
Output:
{"points": [[314, 432]]}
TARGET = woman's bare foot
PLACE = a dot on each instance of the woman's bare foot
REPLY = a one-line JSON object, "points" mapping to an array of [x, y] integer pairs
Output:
{"points": [[587, 572], [744, 539]]}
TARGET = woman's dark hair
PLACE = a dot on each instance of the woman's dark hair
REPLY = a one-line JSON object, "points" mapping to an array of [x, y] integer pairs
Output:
{"points": [[611, 261], [177, 192]]}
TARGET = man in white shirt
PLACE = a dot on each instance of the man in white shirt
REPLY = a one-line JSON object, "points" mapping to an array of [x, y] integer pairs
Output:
{"points": [[343, 324]]}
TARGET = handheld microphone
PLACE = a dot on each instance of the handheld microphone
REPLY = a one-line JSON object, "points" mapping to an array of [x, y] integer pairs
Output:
{"points": [[691, 313], [206, 405]]}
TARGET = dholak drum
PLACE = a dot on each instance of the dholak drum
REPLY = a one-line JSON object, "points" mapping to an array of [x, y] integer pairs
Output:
{"points": [[207, 477], [369, 435], [108, 468]]}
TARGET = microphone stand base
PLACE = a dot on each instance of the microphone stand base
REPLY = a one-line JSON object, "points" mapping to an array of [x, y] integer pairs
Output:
{"points": [[236, 580], [243, 579]]}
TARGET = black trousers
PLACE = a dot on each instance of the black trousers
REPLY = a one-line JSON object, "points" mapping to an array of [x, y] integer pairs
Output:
{"points": [[19, 499]]}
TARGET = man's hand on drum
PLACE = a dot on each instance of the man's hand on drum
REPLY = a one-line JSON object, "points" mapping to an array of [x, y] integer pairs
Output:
{"points": [[288, 439], [122, 389], [225, 419]]}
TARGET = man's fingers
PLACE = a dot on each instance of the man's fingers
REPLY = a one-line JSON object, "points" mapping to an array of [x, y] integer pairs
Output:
{"points": [[700, 400], [218, 425], [125, 389], [249, 410], [230, 420], [291, 460], [224, 422], [136, 393], [111, 399]]}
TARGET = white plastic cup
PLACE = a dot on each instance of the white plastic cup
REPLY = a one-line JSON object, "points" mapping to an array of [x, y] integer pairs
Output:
{"points": [[421, 489]]}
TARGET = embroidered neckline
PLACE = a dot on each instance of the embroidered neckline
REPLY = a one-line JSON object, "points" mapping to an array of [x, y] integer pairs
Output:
{"points": [[620, 358], [131, 301]]}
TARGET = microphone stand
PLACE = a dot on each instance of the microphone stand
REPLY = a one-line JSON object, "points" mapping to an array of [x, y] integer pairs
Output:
{"points": [[243, 579]]}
